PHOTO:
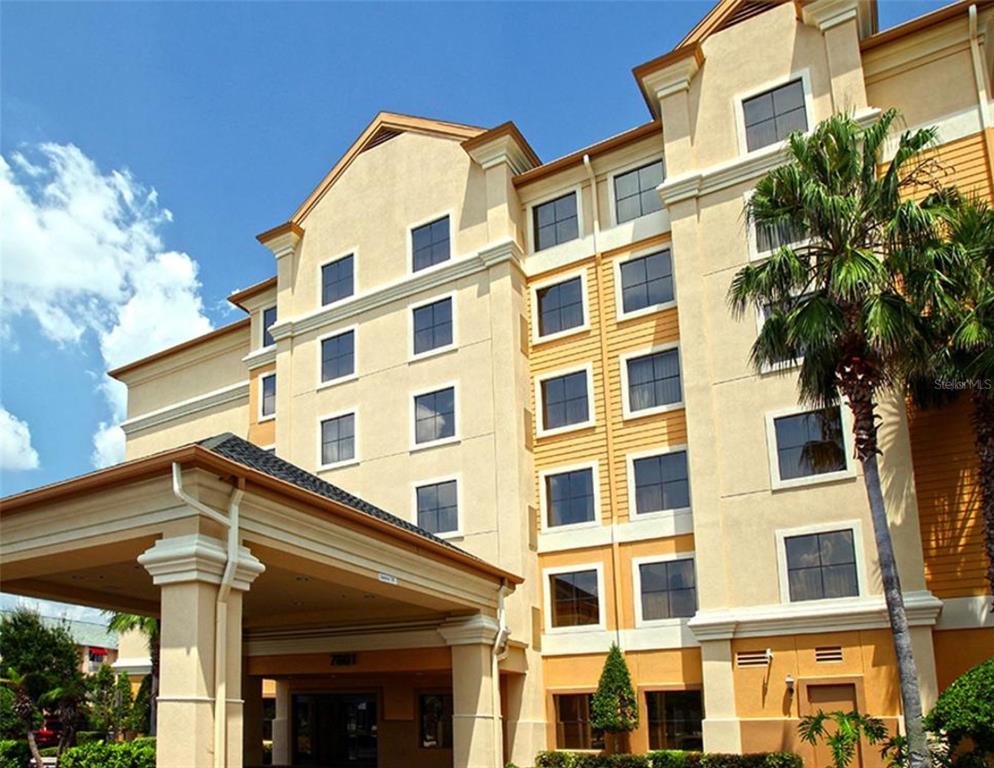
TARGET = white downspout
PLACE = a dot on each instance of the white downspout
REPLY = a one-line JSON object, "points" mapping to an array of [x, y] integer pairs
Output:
{"points": [[220, 609], [498, 654]]}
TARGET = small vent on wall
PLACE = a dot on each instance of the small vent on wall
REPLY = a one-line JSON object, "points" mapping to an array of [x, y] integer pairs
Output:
{"points": [[383, 135], [752, 658], [828, 655]]}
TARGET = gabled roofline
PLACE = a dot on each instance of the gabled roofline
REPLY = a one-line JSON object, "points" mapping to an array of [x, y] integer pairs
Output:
{"points": [[384, 121], [198, 457], [116, 373], [239, 297]]}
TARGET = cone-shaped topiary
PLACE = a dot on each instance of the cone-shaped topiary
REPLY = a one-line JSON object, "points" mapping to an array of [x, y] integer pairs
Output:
{"points": [[615, 708]]}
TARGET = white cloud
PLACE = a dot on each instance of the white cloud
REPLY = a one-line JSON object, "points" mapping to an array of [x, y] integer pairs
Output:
{"points": [[82, 254], [16, 452]]}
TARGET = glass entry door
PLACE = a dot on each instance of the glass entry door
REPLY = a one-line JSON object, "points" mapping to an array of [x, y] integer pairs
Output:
{"points": [[335, 730]]}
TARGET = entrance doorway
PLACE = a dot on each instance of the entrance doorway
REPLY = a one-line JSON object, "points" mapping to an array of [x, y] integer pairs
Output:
{"points": [[335, 730], [833, 697]]}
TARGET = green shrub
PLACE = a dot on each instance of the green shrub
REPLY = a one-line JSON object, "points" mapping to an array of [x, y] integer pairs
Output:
{"points": [[783, 760], [615, 708], [555, 760], [88, 737], [965, 710], [669, 758], [139, 740], [627, 761], [14, 753], [125, 754]]}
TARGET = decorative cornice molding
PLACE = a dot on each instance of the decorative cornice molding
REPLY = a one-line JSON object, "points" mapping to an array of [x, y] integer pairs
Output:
{"points": [[260, 357], [504, 144], [825, 14], [197, 557], [476, 630], [233, 393], [812, 616]]}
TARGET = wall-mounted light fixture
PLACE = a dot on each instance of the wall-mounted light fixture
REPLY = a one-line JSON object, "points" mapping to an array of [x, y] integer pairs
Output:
{"points": [[789, 681]]}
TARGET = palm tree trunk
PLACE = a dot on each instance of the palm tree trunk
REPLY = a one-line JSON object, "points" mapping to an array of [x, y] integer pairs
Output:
{"points": [[865, 429], [33, 746], [983, 426]]}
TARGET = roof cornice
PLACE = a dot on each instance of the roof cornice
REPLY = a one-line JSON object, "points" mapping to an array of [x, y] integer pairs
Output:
{"points": [[668, 73]]}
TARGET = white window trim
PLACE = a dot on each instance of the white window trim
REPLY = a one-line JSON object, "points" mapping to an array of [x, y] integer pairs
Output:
{"points": [[412, 420], [354, 329], [740, 98], [540, 430], [562, 277], [354, 253], [457, 477], [601, 624], [619, 304], [451, 214], [612, 194], [355, 440], [826, 477], [411, 354], [530, 212], [544, 474], [752, 238], [627, 411], [260, 345], [630, 460], [261, 416], [637, 588], [856, 526]]}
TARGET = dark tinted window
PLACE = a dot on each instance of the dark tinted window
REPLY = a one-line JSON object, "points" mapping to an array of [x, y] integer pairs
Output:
{"points": [[436, 720], [560, 306], [435, 415], [573, 729], [338, 356], [810, 443], [338, 439], [437, 507], [433, 326], [675, 720], [268, 318], [654, 380], [574, 599], [556, 222], [564, 400], [772, 237], [570, 497], [821, 565], [337, 280], [661, 483], [430, 243], [647, 281], [635, 192], [668, 589], [269, 395], [772, 116]]}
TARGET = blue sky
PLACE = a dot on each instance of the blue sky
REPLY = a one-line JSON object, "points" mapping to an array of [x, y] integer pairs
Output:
{"points": [[231, 113]]}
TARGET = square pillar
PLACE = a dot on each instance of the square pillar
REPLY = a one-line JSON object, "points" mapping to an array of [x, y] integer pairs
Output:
{"points": [[476, 728], [722, 729], [188, 571], [281, 724], [252, 719]]}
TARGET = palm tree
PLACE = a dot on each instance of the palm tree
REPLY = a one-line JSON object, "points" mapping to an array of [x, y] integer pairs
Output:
{"points": [[24, 708], [952, 285], [838, 307], [149, 627]]}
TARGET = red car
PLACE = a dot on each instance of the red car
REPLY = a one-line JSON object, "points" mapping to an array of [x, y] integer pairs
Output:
{"points": [[48, 735]]}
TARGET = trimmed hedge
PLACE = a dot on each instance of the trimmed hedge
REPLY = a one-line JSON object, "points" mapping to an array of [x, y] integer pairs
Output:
{"points": [[14, 753], [125, 754], [669, 759]]}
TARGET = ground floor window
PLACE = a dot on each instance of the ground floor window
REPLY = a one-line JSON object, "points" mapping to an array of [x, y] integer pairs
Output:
{"points": [[573, 729], [436, 720], [675, 719]]}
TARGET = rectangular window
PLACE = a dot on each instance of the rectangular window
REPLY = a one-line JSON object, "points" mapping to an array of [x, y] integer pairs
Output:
{"points": [[574, 599], [653, 380], [646, 281], [436, 720], [669, 590], [661, 483], [338, 439], [267, 405], [556, 222], [675, 720], [438, 510], [430, 243], [772, 116], [772, 237], [810, 443], [573, 730], [338, 356], [821, 565], [337, 280], [433, 326], [565, 400], [268, 318], [560, 306], [435, 415], [570, 497], [635, 192]]}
